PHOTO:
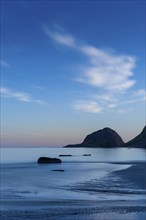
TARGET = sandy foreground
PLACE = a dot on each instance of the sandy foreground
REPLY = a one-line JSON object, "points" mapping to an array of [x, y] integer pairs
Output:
{"points": [[124, 209]]}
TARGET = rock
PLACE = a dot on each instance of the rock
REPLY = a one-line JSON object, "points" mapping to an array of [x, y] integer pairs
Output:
{"points": [[102, 138], [58, 170], [86, 155], [138, 141], [73, 145], [65, 155], [48, 160]]}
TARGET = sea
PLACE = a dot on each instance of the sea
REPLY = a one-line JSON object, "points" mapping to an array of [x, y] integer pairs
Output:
{"points": [[77, 178]]}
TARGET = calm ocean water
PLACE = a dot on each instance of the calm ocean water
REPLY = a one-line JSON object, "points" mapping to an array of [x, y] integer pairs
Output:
{"points": [[23, 178], [23, 155]]}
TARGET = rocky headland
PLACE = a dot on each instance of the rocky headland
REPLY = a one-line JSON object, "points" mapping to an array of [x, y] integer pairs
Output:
{"points": [[138, 141], [106, 138]]}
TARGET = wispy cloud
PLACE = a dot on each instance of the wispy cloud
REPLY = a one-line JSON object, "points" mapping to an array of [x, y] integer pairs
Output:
{"points": [[141, 93], [103, 69], [106, 97], [61, 38], [4, 63], [20, 96], [110, 72], [87, 106]]}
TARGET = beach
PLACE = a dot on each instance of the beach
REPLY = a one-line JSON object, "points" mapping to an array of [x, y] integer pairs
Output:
{"points": [[76, 213], [128, 207]]}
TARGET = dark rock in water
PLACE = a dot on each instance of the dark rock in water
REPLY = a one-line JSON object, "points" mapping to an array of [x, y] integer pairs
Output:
{"points": [[101, 138], [86, 155], [65, 155], [48, 160], [138, 141], [73, 145], [58, 170]]}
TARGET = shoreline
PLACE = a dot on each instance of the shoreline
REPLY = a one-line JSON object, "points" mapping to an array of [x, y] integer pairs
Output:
{"points": [[73, 209]]}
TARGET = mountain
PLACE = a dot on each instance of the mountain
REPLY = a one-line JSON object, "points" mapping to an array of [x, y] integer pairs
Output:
{"points": [[138, 141], [102, 138]]}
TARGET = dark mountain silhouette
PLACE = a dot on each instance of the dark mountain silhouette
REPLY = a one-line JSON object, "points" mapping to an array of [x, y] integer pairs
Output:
{"points": [[101, 138], [139, 140], [107, 137]]}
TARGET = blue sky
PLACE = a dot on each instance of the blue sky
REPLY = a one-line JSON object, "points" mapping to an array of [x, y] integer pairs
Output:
{"points": [[69, 68]]}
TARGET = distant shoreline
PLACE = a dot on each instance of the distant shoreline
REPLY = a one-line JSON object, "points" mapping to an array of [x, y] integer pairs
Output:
{"points": [[127, 147]]}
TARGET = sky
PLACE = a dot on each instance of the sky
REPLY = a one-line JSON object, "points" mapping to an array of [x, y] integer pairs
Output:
{"points": [[69, 68]]}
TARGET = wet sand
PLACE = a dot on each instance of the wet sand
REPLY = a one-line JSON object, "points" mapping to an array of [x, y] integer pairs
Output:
{"points": [[123, 209], [89, 210], [135, 174]]}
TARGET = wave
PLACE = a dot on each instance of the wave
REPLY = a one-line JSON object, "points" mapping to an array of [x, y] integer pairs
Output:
{"points": [[117, 191]]}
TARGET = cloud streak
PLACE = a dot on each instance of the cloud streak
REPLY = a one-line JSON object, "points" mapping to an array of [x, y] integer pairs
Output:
{"points": [[19, 96], [87, 106], [64, 39]]}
